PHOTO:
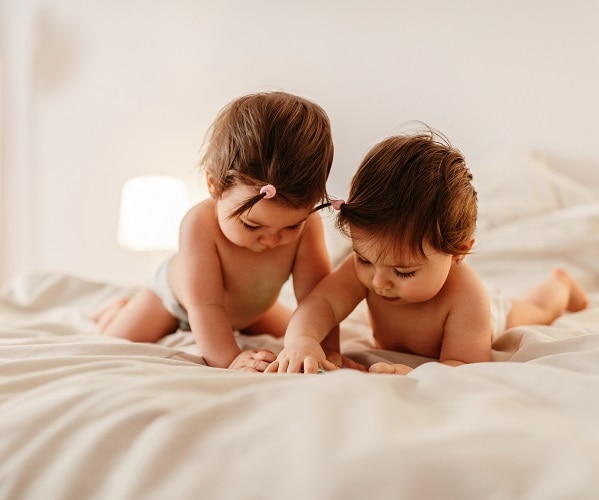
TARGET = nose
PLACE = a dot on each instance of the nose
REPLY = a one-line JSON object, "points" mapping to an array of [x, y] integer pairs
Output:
{"points": [[270, 240], [380, 281]]}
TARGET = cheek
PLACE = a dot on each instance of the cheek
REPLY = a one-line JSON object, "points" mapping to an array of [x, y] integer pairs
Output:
{"points": [[363, 275], [289, 237], [234, 233], [426, 287], [417, 292]]}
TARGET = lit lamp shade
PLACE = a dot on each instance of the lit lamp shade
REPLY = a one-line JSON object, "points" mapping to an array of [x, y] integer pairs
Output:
{"points": [[151, 210]]}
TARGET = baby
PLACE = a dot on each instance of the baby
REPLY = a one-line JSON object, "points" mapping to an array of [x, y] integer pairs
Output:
{"points": [[411, 217], [267, 161]]}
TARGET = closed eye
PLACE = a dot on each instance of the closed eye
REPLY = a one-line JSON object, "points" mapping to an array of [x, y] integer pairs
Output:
{"points": [[401, 274], [249, 227], [362, 260]]}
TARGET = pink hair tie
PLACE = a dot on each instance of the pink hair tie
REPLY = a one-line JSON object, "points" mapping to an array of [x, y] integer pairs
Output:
{"points": [[269, 191], [336, 204]]}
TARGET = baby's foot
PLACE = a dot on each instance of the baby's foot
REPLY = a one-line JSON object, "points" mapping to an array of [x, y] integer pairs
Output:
{"points": [[579, 300]]}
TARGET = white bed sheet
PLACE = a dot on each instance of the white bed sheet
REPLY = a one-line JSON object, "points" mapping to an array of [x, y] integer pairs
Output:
{"points": [[84, 416]]}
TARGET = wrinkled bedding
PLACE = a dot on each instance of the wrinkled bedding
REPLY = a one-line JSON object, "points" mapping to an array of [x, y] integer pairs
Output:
{"points": [[84, 416]]}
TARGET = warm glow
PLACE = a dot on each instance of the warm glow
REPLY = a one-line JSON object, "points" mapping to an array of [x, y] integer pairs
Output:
{"points": [[151, 211]]}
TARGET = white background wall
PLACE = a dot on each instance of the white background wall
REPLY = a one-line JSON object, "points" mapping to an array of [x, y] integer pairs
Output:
{"points": [[97, 92]]}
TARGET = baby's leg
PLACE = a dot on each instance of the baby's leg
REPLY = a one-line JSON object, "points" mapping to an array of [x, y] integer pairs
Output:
{"points": [[548, 300], [273, 321], [105, 315], [142, 319]]}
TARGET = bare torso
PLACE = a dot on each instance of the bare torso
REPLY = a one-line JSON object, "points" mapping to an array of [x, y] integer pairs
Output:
{"points": [[420, 328], [251, 281], [411, 328]]}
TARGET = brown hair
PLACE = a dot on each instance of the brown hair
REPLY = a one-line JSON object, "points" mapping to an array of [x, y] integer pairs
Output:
{"points": [[413, 189], [271, 138]]}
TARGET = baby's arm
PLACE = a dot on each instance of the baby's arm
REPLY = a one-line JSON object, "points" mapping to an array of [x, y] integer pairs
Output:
{"points": [[311, 265], [327, 305], [196, 266], [312, 261], [468, 333], [212, 333]]}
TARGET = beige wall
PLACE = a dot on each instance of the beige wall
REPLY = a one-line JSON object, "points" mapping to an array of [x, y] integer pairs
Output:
{"points": [[97, 92]]}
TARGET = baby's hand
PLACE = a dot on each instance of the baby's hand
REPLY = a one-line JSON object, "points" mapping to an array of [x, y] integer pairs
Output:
{"points": [[341, 361], [252, 360], [304, 354], [390, 368]]}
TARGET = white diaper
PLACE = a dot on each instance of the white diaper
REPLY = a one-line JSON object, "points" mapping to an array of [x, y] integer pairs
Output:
{"points": [[162, 289], [500, 307]]}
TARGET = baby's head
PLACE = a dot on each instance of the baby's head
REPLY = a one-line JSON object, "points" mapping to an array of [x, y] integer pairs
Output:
{"points": [[271, 138], [412, 190]]}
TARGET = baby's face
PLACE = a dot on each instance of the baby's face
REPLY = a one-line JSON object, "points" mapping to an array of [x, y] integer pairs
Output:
{"points": [[399, 276], [265, 226]]}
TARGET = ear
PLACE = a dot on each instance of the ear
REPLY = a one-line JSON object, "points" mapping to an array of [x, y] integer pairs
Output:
{"points": [[211, 183], [466, 247]]}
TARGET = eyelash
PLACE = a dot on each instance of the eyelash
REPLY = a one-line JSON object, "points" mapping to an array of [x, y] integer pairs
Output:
{"points": [[397, 273], [255, 228], [251, 228]]}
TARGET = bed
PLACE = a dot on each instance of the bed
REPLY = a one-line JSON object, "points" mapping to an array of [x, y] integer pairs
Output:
{"points": [[85, 417]]}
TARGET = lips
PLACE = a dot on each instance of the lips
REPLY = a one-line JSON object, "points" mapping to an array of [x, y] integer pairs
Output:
{"points": [[389, 299]]}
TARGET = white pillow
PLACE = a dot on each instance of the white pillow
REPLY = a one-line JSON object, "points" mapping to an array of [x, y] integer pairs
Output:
{"points": [[514, 184]]}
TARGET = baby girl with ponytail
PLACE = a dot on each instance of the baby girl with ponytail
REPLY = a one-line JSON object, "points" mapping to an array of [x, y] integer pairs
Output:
{"points": [[266, 160]]}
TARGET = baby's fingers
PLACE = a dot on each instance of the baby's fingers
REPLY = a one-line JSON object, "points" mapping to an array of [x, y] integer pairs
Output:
{"points": [[273, 367], [264, 355], [329, 366], [354, 365], [381, 367], [310, 365]]}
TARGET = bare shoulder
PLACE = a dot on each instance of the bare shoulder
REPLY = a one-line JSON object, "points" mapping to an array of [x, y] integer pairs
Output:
{"points": [[313, 229], [468, 332], [466, 287], [197, 257], [199, 223], [311, 247], [311, 262], [198, 233], [201, 213]]}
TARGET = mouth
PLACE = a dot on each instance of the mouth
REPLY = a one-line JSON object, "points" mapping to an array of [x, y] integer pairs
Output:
{"points": [[389, 299]]}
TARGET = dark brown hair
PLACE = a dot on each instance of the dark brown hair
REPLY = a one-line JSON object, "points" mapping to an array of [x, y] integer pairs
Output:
{"points": [[412, 189], [271, 138]]}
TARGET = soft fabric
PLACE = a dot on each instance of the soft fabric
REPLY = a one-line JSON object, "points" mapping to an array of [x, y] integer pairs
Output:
{"points": [[89, 417], [516, 183], [85, 416]]}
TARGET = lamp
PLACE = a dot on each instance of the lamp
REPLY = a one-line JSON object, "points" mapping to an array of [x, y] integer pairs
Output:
{"points": [[151, 210]]}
